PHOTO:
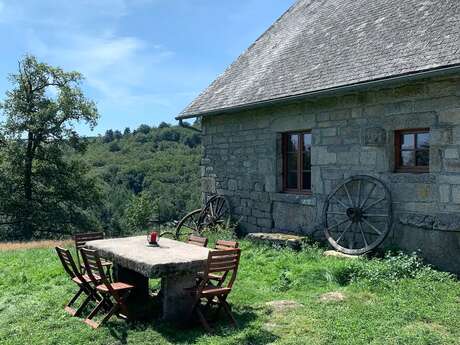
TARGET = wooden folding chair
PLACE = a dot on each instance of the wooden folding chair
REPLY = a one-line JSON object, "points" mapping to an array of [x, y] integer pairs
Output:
{"points": [[197, 241], [225, 262], [82, 281], [222, 245], [113, 294], [80, 242]]}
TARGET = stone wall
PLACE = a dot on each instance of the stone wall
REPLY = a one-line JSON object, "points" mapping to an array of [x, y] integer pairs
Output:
{"points": [[353, 134]]}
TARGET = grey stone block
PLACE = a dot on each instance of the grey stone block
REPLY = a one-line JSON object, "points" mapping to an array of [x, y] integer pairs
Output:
{"points": [[444, 193]]}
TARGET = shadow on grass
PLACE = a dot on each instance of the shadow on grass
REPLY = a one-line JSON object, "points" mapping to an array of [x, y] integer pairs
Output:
{"points": [[244, 334]]}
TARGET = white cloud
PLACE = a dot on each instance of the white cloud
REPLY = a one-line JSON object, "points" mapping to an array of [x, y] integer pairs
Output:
{"points": [[112, 65]]}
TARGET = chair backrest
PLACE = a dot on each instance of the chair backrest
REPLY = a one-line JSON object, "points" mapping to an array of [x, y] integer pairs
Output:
{"points": [[223, 244], [223, 261], [197, 240], [68, 263], [94, 268], [81, 239]]}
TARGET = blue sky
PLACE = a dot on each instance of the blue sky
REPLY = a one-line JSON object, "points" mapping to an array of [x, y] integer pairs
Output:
{"points": [[144, 60]]}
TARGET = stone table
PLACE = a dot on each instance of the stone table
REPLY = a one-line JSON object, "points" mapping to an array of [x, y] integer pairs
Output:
{"points": [[176, 263]]}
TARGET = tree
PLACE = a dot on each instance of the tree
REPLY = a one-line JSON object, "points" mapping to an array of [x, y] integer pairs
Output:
{"points": [[117, 135], [127, 131], [145, 129], [164, 125], [108, 136], [47, 192]]}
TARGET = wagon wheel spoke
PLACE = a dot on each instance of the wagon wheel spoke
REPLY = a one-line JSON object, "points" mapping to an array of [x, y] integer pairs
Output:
{"points": [[360, 225], [337, 213], [338, 224], [368, 195], [358, 202], [348, 195], [344, 231], [375, 215], [373, 204], [220, 210], [341, 203], [372, 227]]}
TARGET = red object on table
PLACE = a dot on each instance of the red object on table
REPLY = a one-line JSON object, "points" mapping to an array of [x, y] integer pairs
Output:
{"points": [[153, 237]]}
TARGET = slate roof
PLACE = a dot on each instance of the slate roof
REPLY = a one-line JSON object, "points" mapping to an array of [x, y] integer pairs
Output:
{"points": [[322, 44]]}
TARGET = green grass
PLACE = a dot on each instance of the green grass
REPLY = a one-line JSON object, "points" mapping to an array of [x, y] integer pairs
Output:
{"points": [[412, 306]]}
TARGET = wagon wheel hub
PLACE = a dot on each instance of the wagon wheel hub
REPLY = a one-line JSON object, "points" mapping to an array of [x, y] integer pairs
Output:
{"points": [[355, 214]]}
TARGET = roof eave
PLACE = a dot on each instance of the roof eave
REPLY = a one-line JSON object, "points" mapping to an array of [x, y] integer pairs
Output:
{"points": [[429, 73]]}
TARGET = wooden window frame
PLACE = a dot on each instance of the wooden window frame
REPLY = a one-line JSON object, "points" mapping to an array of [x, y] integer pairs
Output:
{"points": [[300, 162], [398, 142]]}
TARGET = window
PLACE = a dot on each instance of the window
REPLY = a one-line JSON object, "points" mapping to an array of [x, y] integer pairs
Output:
{"points": [[413, 150], [297, 162]]}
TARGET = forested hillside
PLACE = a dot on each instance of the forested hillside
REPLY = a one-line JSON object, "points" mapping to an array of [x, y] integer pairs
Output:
{"points": [[147, 175], [53, 182]]}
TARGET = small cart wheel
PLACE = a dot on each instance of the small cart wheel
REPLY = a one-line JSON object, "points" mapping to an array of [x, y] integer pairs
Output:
{"points": [[188, 225], [216, 212]]}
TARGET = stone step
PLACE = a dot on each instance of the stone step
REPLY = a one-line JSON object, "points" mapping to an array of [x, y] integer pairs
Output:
{"points": [[278, 239], [337, 254]]}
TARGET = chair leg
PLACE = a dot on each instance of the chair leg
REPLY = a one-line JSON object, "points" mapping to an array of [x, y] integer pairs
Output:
{"points": [[112, 311], [122, 306], [202, 319], [68, 308], [82, 307], [227, 310], [96, 309]]}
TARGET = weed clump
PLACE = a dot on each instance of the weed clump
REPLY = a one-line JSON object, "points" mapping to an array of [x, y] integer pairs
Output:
{"points": [[389, 270]]}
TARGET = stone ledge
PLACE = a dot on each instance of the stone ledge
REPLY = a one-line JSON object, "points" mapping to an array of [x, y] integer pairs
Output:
{"points": [[278, 239], [300, 199], [438, 222]]}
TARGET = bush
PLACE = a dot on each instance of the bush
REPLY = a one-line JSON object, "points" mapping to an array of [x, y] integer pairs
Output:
{"points": [[389, 270]]}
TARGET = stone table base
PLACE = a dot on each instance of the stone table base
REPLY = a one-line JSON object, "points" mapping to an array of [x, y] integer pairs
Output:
{"points": [[177, 301]]}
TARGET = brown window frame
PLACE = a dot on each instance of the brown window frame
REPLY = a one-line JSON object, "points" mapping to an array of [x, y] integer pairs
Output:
{"points": [[300, 170], [398, 149]]}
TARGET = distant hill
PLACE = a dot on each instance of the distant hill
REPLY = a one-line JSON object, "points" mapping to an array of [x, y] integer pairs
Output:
{"points": [[146, 173]]}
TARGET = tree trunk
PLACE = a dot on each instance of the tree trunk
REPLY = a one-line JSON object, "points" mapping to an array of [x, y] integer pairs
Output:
{"points": [[28, 207]]}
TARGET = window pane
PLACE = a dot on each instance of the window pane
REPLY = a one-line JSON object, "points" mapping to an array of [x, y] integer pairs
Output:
{"points": [[423, 140], [407, 158], [407, 141], [292, 180], [307, 160], [306, 141], [292, 142], [423, 158], [291, 161], [306, 183]]}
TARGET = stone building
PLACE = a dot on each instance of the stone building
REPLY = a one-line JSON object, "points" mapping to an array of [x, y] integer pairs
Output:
{"points": [[359, 82]]}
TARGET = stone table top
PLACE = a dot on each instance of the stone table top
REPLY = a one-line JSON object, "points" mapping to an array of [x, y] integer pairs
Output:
{"points": [[171, 257]]}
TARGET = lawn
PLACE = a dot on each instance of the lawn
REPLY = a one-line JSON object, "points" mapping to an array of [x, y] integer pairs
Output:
{"points": [[331, 301]]}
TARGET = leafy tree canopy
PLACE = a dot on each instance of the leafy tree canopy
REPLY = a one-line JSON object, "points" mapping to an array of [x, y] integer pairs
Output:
{"points": [[43, 191]]}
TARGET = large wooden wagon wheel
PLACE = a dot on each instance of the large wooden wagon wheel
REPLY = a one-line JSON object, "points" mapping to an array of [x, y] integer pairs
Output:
{"points": [[357, 215]]}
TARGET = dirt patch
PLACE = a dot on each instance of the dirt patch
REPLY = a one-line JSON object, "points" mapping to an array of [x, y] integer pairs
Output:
{"points": [[332, 297], [282, 306], [33, 245]]}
